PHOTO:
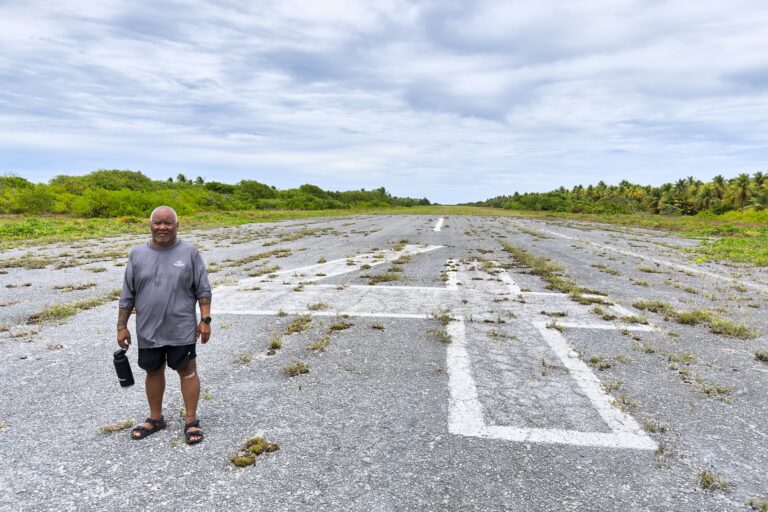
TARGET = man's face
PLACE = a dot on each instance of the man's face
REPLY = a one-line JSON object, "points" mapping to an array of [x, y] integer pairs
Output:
{"points": [[164, 227]]}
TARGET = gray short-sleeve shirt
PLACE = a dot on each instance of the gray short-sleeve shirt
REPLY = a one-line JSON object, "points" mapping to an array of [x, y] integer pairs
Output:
{"points": [[163, 286]]}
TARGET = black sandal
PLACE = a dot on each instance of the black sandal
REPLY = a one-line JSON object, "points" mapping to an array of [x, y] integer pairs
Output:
{"points": [[189, 435], [143, 431]]}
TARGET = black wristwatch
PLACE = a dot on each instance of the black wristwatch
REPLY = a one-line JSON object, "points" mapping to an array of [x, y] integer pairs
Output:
{"points": [[206, 320]]}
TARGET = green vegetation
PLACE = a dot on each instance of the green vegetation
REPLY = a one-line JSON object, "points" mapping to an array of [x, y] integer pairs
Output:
{"points": [[712, 481], [716, 324], [62, 311], [295, 368], [299, 324], [116, 427], [252, 448], [757, 504], [115, 193], [761, 356]]}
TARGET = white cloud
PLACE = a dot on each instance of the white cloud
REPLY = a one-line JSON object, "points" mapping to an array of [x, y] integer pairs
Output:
{"points": [[450, 100]]}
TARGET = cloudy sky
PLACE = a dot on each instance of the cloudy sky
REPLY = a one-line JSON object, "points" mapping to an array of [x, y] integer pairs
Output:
{"points": [[452, 100]]}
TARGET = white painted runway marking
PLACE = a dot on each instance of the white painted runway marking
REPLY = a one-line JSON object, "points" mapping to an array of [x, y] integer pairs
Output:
{"points": [[465, 409], [678, 266], [465, 415], [439, 224]]}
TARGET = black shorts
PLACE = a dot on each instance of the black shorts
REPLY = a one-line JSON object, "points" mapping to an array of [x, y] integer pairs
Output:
{"points": [[152, 359]]}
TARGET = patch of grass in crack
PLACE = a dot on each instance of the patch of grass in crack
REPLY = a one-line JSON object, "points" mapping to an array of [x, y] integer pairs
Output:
{"points": [[386, 277], [761, 356], [244, 358], [603, 314], [252, 448], [295, 368], [442, 315], [58, 312], [318, 306], [607, 270], [733, 329], [654, 427], [116, 427], [339, 326], [757, 504], [440, 335], [552, 274], [321, 344], [378, 326], [73, 287], [710, 481], [299, 324]]}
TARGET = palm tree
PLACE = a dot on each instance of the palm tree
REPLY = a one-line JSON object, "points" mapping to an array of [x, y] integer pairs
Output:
{"points": [[759, 178], [739, 190], [759, 200]]}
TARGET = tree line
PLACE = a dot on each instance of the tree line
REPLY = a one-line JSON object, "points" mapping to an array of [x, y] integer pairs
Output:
{"points": [[687, 196], [117, 193]]}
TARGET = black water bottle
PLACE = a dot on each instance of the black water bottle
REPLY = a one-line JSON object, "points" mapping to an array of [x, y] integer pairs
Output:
{"points": [[123, 368]]}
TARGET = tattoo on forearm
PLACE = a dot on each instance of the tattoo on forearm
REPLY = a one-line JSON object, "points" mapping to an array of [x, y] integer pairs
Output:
{"points": [[204, 301], [122, 317]]}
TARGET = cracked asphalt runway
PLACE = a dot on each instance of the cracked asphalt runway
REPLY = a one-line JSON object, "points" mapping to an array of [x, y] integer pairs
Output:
{"points": [[451, 378]]}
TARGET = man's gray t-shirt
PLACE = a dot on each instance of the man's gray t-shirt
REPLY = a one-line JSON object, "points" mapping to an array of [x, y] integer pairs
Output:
{"points": [[163, 286]]}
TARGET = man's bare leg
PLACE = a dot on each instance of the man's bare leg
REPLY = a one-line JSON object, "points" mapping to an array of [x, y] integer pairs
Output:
{"points": [[155, 387], [190, 390]]}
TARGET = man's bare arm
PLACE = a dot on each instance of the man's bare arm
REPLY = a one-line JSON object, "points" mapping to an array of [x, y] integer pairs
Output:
{"points": [[204, 329], [123, 334], [122, 317]]}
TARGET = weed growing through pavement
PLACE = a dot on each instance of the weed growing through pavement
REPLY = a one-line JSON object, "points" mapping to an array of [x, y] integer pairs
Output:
{"points": [[554, 325], [318, 306], [610, 386], [282, 313], [598, 362], [339, 326], [322, 260], [243, 358], [378, 326], [442, 315], [300, 324], [62, 311], [716, 324], [639, 282], [757, 504], [4, 425], [252, 448], [386, 277], [654, 427], [607, 270], [761, 356], [73, 287], [556, 314], [115, 427], [440, 335], [295, 368], [206, 395], [603, 314], [322, 343], [710, 481]]}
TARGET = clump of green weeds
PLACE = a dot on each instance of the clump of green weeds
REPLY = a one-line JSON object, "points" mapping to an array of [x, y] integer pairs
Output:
{"points": [[318, 306], [116, 427], [654, 427], [295, 368], [710, 481], [761, 356], [244, 358], [322, 343], [339, 326], [378, 326], [757, 504], [440, 335], [252, 448], [300, 324]]}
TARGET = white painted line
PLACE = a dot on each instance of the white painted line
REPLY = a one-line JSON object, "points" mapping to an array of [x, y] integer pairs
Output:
{"points": [[364, 314], [465, 416], [619, 422], [453, 276], [607, 327], [512, 286], [678, 266], [339, 266], [439, 224], [382, 287]]}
